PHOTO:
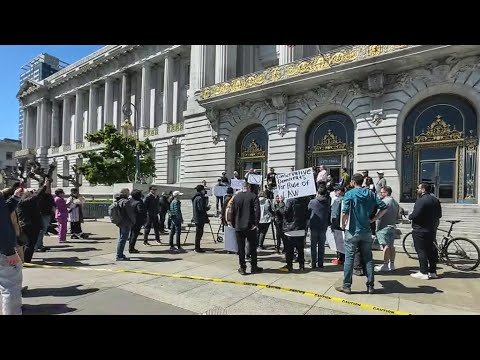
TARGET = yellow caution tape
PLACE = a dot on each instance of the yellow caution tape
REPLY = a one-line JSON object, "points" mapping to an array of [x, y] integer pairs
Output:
{"points": [[225, 281]]}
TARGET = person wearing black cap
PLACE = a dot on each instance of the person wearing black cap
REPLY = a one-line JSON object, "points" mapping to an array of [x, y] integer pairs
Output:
{"points": [[199, 207]]}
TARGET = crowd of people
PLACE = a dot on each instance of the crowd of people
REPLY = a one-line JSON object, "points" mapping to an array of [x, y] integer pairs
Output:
{"points": [[355, 210]]}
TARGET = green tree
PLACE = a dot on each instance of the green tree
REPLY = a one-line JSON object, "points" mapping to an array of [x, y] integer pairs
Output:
{"points": [[115, 163]]}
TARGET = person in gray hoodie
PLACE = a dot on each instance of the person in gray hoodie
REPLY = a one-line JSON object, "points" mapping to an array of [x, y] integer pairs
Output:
{"points": [[128, 220], [319, 215]]}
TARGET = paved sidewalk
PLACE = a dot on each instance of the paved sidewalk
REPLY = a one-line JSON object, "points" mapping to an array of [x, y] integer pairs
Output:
{"points": [[53, 291]]}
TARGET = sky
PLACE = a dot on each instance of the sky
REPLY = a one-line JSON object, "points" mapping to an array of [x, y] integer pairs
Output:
{"points": [[12, 58]]}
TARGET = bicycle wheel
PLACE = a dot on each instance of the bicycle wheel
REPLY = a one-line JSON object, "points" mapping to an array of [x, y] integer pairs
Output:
{"points": [[462, 254], [408, 247]]}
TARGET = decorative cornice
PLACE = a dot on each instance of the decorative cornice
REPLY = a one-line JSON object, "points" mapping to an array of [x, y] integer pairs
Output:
{"points": [[446, 70], [305, 66]]}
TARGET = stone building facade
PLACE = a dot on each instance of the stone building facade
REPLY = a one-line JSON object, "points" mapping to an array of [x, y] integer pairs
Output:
{"points": [[409, 110]]}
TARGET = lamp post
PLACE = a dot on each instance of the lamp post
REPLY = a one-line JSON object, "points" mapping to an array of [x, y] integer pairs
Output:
{"points": [[128, 128]]}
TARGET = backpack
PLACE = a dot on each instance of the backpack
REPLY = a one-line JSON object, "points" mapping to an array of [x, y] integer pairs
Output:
{"points": [[116, 213]]}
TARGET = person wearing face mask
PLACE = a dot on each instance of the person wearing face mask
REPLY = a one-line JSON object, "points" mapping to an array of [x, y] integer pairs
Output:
{"points": [[266, 215]]}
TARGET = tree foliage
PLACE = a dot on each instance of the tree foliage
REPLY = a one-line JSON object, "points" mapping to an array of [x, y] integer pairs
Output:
{"points": [[115, 162]]}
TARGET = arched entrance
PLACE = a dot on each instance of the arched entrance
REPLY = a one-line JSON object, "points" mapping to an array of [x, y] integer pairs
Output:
{"points": [[330, 142], [440, 147], [252, 150]]}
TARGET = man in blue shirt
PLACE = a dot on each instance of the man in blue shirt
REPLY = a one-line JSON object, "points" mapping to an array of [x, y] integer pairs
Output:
{"points": [[358, 205]]}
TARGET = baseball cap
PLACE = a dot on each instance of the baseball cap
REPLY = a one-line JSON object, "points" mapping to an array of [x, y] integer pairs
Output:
{"points": [[380, 172], [177, 193]]}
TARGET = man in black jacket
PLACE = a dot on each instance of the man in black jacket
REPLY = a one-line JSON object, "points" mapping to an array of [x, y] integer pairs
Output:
{"points": [[246, 216], [199, 208], [164, 205], [10, 265], [152, 206], [425, 216], [140, 218]]}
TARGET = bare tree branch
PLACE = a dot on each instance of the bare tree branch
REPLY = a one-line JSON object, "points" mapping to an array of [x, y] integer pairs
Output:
{"points": [[76, 179]]}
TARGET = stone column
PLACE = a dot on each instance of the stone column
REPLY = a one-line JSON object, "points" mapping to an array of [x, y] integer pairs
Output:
{"points": [[225, 62], [46, 124], [145, 97], [66, 118], [38, 129], [168, 89], [78, 130], [25, 128], [108, 103], [220, 63], [286, 54], [92, 108], [201, 61], [125, 97], [55, 140]]}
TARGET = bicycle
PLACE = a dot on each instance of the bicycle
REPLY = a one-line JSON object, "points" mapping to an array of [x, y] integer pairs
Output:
{"points": [[451, 250]]}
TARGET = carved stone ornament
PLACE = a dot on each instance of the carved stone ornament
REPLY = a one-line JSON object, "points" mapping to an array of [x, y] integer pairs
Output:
{"points": [[253, 151], [329, 142], [213, 115], [445, 70], [282, 130], [330, 93], [438, 130], [279, 101]]}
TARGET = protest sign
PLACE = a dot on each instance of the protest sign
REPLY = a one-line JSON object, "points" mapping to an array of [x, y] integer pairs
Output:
{"points": [[237, 184], [219, 190], [254, 179], [296, 184]]}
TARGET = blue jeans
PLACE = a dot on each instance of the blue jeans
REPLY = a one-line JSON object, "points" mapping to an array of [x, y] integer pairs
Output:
{"points": [[10, 287], [364, 242], [45, 222], [317, 239], [124, 232], [176, 229]]}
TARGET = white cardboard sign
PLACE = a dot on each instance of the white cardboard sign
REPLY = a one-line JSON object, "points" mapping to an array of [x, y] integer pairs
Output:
{"points": [[237, 184], [255, 179], [296, 184]]}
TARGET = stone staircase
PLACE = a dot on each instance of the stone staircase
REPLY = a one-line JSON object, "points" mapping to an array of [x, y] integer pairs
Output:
{"points": [[468, 214]]}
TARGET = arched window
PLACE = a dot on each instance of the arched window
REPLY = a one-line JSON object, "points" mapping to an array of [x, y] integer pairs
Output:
{"points": [[329, 142], [439, 147], [252, 150]]}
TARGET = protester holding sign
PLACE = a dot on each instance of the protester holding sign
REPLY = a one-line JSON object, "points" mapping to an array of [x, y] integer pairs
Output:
{"points": [[296, 184]]}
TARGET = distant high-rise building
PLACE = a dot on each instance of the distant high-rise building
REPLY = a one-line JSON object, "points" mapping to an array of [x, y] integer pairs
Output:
{"points": [[38, 69]]}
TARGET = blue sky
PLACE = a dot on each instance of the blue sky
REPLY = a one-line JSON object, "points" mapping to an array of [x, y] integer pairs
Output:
{"points": [[12, 58]]}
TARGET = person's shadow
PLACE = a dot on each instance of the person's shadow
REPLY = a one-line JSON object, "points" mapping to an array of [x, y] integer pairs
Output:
{"points": [[396, 287], [72, 290], [47, 309]]}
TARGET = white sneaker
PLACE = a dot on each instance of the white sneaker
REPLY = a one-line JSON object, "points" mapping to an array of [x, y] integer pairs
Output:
{"points": [[383, 267], [432, 276], [419, 275], [391, 266]]}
